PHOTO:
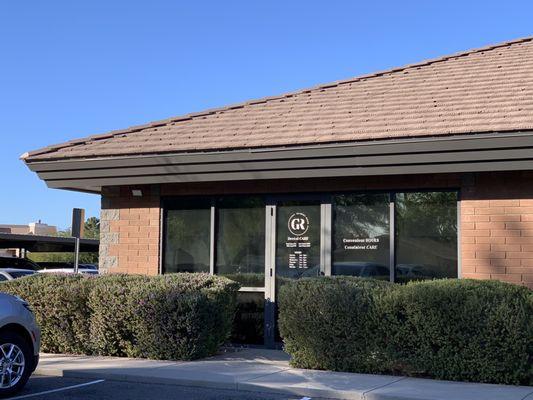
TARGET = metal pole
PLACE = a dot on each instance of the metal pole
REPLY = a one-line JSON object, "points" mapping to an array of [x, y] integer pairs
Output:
{"points": [[78, 219], [76, 254]]}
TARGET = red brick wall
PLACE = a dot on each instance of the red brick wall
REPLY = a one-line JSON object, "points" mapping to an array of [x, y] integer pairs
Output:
{"points": [[497, 228], [130, 230]]}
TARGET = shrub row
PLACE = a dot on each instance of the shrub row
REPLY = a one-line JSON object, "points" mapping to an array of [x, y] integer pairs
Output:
{"points": [[176, 317], [467, 330]]}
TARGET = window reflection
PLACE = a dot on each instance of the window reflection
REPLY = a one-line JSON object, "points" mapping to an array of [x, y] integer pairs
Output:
{"points": [[360, 243], [248, 326], [187, 237], [240, 240], [426, 235]]}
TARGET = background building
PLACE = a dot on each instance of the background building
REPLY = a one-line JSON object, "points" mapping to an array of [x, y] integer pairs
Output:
{"points": [[33, 228]]}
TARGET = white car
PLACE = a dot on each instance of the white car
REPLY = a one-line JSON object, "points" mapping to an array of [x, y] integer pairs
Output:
{"points": [[8, 274], [68, 271], [20, 339]]}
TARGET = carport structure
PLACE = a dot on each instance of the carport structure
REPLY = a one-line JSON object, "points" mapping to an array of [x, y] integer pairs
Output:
{"points": [[38, 243]]}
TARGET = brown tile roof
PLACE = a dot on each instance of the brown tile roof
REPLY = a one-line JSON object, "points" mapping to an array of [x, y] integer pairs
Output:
{"points": [[482, 90]]}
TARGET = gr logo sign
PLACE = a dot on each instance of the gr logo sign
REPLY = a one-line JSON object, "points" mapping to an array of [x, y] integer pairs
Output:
{"points": [[298, 224]]}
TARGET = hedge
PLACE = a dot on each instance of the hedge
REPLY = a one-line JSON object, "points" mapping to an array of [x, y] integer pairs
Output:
{"points": [[112, 324], [466, 330], [60, 306], [327, 323], [175, 317]]}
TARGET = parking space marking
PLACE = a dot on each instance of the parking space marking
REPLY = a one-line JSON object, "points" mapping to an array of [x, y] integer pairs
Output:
{"points": [[25, 396]]}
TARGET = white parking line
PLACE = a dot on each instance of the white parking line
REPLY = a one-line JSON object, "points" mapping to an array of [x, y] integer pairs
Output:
{"points": [[57, 390], [306, 398]]}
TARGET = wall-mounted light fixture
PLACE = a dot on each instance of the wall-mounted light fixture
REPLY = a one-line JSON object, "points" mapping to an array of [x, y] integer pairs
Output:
{"points": [[136, 193]]}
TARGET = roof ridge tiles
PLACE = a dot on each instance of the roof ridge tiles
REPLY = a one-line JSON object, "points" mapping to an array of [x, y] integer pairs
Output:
{"points": [[253, 102]]}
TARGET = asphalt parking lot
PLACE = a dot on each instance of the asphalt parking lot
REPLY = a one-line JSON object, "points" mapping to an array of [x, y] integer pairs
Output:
{"points": [[47, 388]]}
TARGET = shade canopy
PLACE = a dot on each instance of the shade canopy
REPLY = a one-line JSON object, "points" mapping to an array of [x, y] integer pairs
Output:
{"points": [[37, 243]]}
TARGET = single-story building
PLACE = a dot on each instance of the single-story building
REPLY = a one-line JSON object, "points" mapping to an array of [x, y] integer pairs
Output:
{"points": [[418, 172]]}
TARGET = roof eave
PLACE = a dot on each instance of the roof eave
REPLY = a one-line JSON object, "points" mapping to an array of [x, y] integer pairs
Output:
{"points": [[452, 154]]}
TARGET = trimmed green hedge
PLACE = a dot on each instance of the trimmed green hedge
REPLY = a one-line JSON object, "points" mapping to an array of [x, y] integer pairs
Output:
{"points": [[467, 330], [328, 323], [60, 306], [112, 323], [176, 316]]}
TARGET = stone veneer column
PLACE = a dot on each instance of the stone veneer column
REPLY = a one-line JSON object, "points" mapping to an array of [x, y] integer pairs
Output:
{"points": [[129, 230]]}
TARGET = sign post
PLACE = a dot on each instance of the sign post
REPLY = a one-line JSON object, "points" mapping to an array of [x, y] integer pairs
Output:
{"points": [[78, 222]]}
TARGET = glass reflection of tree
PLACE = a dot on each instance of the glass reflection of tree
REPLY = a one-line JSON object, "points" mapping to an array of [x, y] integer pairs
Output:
{"points": [[362, 215], [432, 214], [241, 239], [187, 241], [427, 235]]}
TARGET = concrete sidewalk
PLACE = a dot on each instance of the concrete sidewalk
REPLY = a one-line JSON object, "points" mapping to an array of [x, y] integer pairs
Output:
{"points": [[269, 371]]}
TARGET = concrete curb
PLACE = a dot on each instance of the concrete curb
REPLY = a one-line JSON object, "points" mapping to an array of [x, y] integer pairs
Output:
{"points": [[251, 376], [235, 386]]}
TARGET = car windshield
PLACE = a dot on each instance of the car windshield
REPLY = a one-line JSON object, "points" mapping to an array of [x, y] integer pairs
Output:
{"points": [[17, 263]]}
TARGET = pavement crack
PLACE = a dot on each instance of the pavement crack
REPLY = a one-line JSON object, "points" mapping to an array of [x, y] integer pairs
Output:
{"points": [[270, 373], [527, 395], [363, 395]]}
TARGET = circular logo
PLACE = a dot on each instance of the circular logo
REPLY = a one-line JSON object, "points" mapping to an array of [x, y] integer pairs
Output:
{"points": [[298, 224]]}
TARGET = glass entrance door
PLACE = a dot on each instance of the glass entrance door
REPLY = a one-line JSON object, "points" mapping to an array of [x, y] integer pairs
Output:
{"points": [[297, 240], [295, 250]]}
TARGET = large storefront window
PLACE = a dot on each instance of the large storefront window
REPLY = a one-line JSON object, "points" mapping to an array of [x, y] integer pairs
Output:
{"points": [[187, 237], [361, 235], [426, 235], [425, 232], [240, 240]]}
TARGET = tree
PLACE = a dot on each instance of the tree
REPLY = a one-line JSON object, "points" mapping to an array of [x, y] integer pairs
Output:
{"points": [[92, 228]]}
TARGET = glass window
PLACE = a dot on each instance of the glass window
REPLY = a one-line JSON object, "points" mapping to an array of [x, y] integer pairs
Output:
{"points": [[240, 240], [426, 235], [187, 237], [248, 325], [360, 242]]}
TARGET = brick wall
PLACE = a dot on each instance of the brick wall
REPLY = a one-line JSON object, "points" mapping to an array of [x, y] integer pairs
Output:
{"points": [[497, 227], [130, 228]]}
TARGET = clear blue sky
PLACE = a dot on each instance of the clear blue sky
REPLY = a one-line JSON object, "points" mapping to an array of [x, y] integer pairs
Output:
{"points": [[75, 68]]}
